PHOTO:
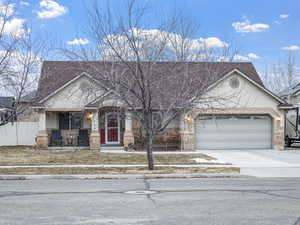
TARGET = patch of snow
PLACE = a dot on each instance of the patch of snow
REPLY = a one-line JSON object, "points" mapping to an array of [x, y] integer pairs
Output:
{"points": [[202, 160]]}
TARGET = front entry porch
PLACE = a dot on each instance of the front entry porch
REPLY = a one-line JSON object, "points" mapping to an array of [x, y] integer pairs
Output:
{"points": [[111, 126], [90, 128]]}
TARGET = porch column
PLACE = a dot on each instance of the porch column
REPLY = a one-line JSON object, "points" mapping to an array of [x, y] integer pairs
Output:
{"points": [[42, 136], [187, 135], [95, 136], [128, 134]]}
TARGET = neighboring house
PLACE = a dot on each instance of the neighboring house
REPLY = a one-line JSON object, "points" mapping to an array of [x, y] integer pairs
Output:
{"points": [[25, 112], [254, 118], [24, 128], [291, 95], [6, 108]]}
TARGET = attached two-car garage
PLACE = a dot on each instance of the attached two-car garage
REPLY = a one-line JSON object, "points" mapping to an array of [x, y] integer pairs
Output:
{"points": [[233, 132]]}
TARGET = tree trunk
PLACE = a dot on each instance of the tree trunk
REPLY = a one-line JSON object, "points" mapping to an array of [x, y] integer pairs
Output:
{"points": [[149, 141], [149, 147]]}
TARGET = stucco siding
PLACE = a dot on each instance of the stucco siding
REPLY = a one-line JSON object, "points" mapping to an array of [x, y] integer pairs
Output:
{"points": [[247, 95], [75, 96], [51, 120]]}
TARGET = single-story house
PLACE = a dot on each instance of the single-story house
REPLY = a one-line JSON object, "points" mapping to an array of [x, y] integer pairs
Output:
{"points": [[67, 115]]}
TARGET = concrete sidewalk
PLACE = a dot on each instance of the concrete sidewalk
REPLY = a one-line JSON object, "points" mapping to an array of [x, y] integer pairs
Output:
{"points": [[154, 153], [115, 165]]}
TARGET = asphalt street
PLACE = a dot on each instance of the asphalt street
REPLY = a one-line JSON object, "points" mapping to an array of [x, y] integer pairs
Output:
{"points": [[207, 201]]}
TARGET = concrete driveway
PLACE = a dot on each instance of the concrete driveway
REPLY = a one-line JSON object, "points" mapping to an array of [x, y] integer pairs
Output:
{"points": [[261, 163]]}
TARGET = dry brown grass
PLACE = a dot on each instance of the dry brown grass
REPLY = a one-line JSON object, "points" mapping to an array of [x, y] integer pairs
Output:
{"points": [[116, 170], [28, 156]]}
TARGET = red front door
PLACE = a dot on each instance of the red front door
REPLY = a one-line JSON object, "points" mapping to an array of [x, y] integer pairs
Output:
{"points": [[112, 128]]}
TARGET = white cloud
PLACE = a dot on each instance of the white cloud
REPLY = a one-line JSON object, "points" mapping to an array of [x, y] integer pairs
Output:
{"points": [[158, 35], [175, 46], [292, 48], [247, 57], [79, 41], [284, 16], [51, 9], [24, 3], [212, 42], [247, 27], [151, 41], [253, 56], [7, 9], [14, 27], [240, 58]]}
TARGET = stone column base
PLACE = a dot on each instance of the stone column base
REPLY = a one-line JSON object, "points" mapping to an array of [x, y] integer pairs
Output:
{"points": [[95, 141], [42, 140], [128, 138], [278, 135], [278, 143], [187, 142]]}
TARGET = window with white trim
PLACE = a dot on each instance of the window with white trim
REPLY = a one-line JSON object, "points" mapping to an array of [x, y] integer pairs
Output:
{"points": [[70, 120]]}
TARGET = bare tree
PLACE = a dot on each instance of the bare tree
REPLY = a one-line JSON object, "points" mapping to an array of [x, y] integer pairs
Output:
{"points": [[283, 76], [8, 41], [22, 73], [137, 68]]}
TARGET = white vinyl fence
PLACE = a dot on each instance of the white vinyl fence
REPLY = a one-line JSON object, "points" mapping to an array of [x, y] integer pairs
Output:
{"points": [[18, 133]]}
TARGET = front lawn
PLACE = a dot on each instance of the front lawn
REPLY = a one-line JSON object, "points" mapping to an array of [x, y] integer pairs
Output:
{"points": [[11, 156], [122, 170]]}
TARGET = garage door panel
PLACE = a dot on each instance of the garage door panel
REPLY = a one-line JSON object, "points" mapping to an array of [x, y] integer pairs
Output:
{"points": [[232, 138], [229, 132]]}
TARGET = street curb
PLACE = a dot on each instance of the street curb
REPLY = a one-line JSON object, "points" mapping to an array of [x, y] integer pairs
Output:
{"points": [[117, 176]]}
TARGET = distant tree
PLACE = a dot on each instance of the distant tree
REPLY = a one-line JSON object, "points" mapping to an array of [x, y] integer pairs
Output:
{"points": [[283, 76], [21, 55]]}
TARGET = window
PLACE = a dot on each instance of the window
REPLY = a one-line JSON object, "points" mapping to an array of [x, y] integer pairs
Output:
{"points": [[70, 120], [76, 120]]}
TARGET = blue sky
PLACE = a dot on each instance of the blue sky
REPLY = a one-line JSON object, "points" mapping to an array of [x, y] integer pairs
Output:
{"points": [[261, 28]]}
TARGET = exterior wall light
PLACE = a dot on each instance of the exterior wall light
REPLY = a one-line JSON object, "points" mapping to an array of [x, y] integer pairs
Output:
{"points": [[188, 119], [278, 118], [89, 116]]}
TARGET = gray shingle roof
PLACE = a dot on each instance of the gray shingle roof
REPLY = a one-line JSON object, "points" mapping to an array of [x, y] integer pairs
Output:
{"points": [[57, 73], [29, 97]]}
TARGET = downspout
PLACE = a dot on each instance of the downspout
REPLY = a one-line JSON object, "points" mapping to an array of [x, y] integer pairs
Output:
{"points": [[297, 120], [285, 122]]}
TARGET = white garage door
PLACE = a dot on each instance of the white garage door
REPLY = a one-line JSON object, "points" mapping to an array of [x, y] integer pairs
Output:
{"points": [[233, 132]]}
